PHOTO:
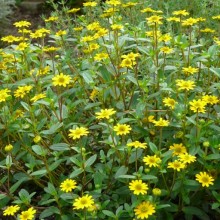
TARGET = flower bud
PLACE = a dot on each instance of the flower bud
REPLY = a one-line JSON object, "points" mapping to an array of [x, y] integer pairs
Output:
{"points": [[156, 192], [8, 148]]}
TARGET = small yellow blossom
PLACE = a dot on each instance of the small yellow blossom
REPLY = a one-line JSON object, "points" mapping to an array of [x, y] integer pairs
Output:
{"points": [[84, 202], [78, 132], [122, 129], [205, 179], [11, 210], [68, 185], [144, 210], [137, 144], [105, 113], [138, 187]]}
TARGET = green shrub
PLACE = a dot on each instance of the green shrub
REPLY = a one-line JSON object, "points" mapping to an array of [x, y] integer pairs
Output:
{"points": [[112, 114]]}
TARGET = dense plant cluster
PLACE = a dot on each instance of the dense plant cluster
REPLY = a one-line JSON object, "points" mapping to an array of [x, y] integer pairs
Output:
{"points": [[113, 114]]}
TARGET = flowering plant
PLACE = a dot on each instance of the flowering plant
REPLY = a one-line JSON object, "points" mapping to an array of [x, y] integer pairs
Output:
{"points": [[109, 115]]}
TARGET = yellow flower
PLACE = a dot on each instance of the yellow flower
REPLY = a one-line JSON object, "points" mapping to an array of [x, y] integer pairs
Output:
{"points": [[210, 99], [138, 187], [166, 50], [152, 161], [50, 50], [73, 10], [205, 179], [4, 94], [22, 46], [165, 37], [185, 84], [175, 19], [178, 149], [37, 139], [77, 28], [122, 129], [68, 185], [93, 94], [147, 10], [105, 113], [60, 33], [10, 39], [39, 33], [83, 202], [187, 158], [198, 106], [100, 56], [38, 96], [93, 26], [207, 30], [169, 102], [78, 132], [20, 24], [11, 210], [27, 215], [129, 4], [132, 56], [189, 22], [217, 17], [144, 210], [87, 38], [113, 2], [161, 123], [61, 80], [127, 63], [190, 70], [43, 71], [116, 27], [52, 18], [89, 4], [181, 12], [176, 165], [155, 19], [21, 91], [137, 144], [8, 148]]}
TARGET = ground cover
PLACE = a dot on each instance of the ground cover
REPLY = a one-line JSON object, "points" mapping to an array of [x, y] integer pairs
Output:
{"points": [[110, 115]]}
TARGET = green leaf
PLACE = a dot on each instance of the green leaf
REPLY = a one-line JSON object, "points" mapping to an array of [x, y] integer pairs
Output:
{"points": [[213, 157], [149, 177], [87, 77], [76, 172], [163, 206], [17, 184], [106, 75], [49, 211], [215, 205], [39, 150], [216, 71], [25, 106], [2, 196], [90, 161], [109, 213], [60, 147], [8, 161], [51, 189], [52, 129], [127, 177], [153, 147], [39, 172], [194, 211], [121, 171], [55, 164]]}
